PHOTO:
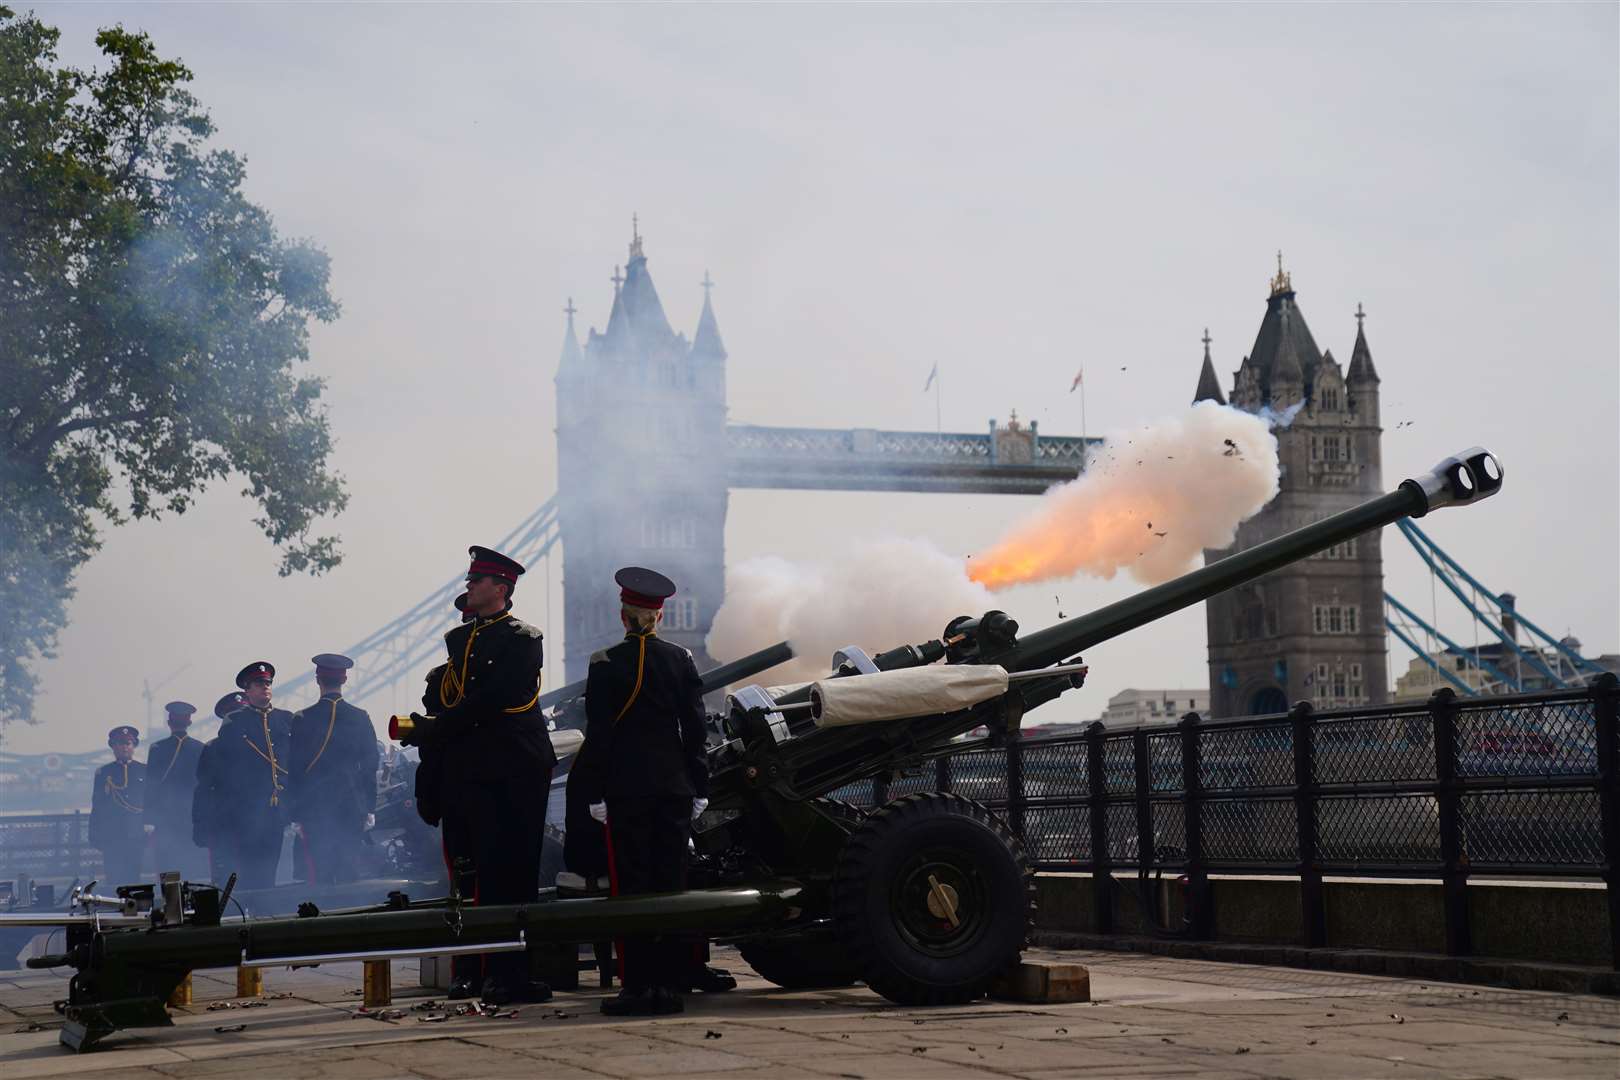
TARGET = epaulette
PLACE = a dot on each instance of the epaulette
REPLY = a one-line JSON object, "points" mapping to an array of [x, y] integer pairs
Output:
{"points": [[526, 629], [599, 655]]}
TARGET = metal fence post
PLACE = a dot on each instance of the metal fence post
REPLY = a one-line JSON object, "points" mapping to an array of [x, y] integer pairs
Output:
{"points": [[1606, 713], [1453, 859], [1313, 912], [880, 790], [1102, 892], [1015, 786], [942, 774], [1200, 915], [1146, 842]]}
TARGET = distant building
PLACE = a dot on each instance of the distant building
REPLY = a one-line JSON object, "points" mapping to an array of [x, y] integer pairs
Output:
{"points": [[1133, 708], [1482, 670], [1313, 630]]}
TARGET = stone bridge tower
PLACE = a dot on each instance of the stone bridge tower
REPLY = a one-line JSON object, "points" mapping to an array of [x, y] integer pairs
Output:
{"points": [[641, 465], [1315, 630]]}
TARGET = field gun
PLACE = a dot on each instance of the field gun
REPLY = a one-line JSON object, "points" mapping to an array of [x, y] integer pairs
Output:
{"points": [[926, 899]]}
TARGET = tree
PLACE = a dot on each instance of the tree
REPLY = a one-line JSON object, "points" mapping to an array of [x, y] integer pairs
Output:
{"points": [[150, 322]]}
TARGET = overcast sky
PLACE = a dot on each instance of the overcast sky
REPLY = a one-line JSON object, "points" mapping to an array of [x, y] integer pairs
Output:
{"points": [[1010, 192]]}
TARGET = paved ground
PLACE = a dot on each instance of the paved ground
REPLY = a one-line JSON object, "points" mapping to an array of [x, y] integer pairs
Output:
{"points": [[1151, 1017]]}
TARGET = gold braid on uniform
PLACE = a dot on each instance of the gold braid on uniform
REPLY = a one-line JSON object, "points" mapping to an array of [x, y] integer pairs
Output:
{"points": [[113, 790], [269, 754], [330, 724], [453, 686], [179, 744], [641, 664]]}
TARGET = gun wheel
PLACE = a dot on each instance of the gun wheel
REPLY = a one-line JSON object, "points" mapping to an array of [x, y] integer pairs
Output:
{"points": [[934, 896]]}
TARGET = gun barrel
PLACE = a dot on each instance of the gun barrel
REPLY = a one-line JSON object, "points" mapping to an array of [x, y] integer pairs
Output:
{"points": [[1468, 477]]}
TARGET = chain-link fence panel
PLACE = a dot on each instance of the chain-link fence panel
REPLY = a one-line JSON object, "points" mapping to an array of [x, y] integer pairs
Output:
{"points": [[1164, 758], [1058, 836], [980, 775], [1374, 749], [1559, 828], [1053, 769], [1250, 831], [1354, 830], [1546, 739], [1232, 759]]}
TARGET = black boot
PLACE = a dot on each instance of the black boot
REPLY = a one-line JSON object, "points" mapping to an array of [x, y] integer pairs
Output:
{"points": [[665, 1001], [534, 992], [460, 989], [713, 980], [496, 992], [628, 1003]]}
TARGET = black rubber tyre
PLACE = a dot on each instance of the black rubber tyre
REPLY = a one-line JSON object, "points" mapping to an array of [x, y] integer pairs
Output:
{"points": [[811, 962], [893, 876]]}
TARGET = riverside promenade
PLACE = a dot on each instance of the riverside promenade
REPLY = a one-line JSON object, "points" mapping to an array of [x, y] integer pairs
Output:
{"points": [[1150, 1016]]}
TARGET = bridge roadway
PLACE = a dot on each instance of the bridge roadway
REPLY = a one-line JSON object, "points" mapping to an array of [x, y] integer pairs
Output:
{"points": [[1150, 1017]]}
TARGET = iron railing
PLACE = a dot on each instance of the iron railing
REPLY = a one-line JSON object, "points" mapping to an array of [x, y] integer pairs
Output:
{"points": [[48, 846], [1447, 788]]}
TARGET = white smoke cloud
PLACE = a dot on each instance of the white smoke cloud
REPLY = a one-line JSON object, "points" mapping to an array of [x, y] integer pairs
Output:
{"points": [[879, 594]]}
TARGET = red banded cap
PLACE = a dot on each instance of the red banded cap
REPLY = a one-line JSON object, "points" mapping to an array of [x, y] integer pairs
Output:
{"points": [[643, 588], [487, 562]]}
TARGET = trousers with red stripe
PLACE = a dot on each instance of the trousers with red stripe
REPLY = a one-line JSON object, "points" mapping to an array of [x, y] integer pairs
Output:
{"points": [[649, 837]]}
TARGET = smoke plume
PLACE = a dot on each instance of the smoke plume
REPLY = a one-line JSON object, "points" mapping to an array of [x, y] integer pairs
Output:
{"points": [[1149, 503], [880, 594]]}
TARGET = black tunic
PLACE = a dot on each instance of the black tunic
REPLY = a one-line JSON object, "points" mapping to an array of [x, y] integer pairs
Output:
{"points": [[116, 809], [243, 779], [644, 735], [171, 768], [332, 763], [489, 724]]}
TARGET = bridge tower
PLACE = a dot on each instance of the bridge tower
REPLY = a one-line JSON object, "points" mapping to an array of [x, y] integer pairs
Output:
{"points": [[641, 465], [1315, 630]]}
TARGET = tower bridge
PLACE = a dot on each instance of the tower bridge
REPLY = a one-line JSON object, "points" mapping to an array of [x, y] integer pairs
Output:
{"points": [[647, 461]]}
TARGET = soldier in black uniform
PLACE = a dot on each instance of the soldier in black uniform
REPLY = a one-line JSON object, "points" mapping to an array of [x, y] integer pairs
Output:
{"points": [[116, 803], [490, 758], [646, 768], [204, 815], [332, 781], [171, 777], [242, 783]]}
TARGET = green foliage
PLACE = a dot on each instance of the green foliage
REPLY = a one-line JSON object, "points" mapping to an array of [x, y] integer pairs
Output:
{"points": [[150, 322]]}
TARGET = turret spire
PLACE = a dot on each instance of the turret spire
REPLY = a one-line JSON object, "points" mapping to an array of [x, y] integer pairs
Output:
{"points": [[707, 342], [1283, 283], [1361, 362], [571, 354], [1209, 387]]}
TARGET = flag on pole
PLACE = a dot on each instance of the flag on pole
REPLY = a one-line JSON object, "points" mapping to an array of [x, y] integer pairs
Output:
{"points": [[1079, 375], [932, 375]]}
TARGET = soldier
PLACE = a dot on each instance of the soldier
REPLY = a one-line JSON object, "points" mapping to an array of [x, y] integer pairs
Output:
{"points": [[171, 775], [116, 803], [204, 815], [332, 780], [242, 783], [646, 767], [491, 759]]}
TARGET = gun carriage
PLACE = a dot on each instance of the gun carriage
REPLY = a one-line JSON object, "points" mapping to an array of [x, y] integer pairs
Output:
{"points": [[926, 899]]}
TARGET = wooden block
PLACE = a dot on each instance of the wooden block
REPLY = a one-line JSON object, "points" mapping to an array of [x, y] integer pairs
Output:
{"points": [[377, 983], [249, 982], [1043, 984]]}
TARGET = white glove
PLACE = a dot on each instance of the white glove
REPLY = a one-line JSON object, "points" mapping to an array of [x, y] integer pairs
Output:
{"points": [[698, 806], [150, 829], [297, 828], [599, 811], [371, 821]]}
